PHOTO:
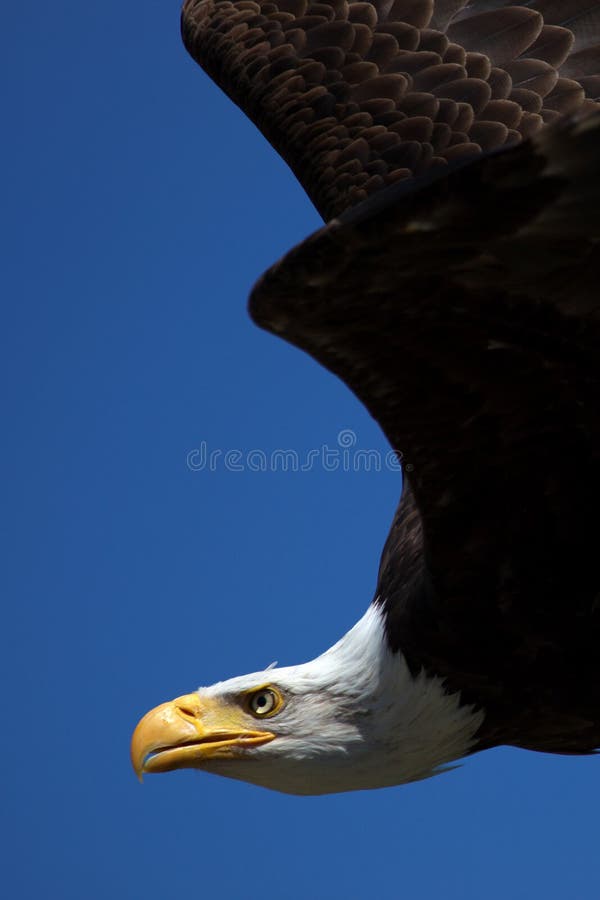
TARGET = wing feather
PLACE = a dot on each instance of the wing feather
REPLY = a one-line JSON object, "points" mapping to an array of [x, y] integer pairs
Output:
{"points": [[358, 72]]}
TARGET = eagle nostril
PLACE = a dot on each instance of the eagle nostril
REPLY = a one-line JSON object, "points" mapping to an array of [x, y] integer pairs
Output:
{"points": [[189, 706]]}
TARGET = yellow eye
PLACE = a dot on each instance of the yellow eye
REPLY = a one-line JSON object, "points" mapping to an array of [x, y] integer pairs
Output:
{"points": [[263, 702]]}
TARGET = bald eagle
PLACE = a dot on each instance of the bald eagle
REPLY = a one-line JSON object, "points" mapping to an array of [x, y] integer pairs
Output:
{"points": [[453, 149]]}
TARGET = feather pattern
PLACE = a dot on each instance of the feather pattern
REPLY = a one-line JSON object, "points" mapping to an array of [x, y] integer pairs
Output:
{"points": [[357, 71]]}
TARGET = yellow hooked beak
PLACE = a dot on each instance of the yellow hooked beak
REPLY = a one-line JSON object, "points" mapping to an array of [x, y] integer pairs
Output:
{"points": [[185, 732]]}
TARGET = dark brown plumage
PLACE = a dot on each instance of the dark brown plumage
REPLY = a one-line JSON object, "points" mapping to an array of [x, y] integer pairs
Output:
{"points": [[356, 96], [458, 145]]}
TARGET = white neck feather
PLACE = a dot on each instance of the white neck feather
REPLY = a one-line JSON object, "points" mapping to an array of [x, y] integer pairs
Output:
{"points": [[409, 727]]}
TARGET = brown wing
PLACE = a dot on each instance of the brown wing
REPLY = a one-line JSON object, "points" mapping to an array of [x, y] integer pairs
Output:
{"points": [[465, 314], [358, 95]]}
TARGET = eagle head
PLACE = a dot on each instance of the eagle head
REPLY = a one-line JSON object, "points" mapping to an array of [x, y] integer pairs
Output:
{"points": [[352, 718]]}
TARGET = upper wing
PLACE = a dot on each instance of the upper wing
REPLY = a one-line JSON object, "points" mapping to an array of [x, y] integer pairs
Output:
{"points": [[357, 95], [465, 314]]}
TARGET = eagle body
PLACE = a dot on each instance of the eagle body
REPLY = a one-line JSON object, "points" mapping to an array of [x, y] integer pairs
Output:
{"points": [[453, 149]]}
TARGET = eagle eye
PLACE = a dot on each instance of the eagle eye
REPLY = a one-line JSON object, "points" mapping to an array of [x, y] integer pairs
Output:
{"points": [[264, 702]]}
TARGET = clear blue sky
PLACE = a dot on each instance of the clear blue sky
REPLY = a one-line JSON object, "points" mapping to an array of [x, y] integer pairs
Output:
{"points": [[141, 207]]}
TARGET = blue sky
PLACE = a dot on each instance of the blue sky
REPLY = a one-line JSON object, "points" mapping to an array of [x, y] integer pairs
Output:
{"points": [[141, 207]]}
